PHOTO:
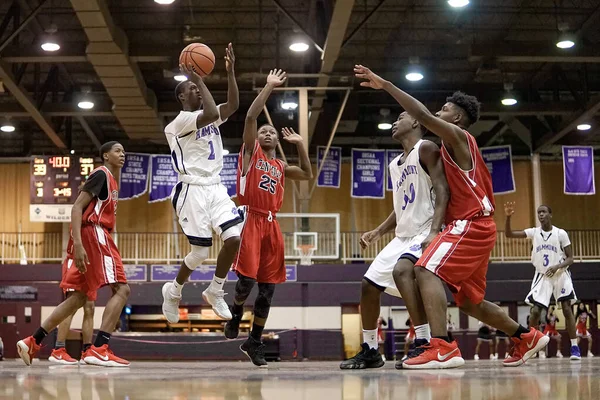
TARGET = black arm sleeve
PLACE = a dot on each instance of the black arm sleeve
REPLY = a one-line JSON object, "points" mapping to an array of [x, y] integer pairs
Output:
{"points": [[97, 185]]}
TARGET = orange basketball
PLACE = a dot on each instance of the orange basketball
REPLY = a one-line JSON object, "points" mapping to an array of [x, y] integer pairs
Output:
{"points": [[200, 56]]}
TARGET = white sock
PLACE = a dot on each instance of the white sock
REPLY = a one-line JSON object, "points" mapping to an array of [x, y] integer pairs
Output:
{"points": [[370, 338], [217, 284], [176, 288], [573, 342], [423, 332]]}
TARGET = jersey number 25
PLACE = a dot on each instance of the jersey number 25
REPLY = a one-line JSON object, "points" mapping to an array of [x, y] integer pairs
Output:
{"points": [[268, 184]]}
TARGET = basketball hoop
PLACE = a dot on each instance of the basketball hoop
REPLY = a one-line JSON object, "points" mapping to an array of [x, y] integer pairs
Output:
{"points": [[306, 252]]}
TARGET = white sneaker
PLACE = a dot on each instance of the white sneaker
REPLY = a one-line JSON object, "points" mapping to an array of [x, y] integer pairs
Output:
{"points": [[590, 354], [559, 354], [476, 358], [383, 357], [170, 306], [542, 354], [506, 355], [494, 357], [217, 300]]}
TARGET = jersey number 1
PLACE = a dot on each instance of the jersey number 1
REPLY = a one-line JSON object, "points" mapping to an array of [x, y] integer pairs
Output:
{"points": [[212, 151], [268, 184]]}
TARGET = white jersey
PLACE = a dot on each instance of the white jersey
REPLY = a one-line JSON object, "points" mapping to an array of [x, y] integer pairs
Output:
{"points": [[548, 247], [197, 154], [414, 197]]}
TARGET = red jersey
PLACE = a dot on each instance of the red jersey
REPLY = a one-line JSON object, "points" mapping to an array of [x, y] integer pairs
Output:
{"points": [[471, 192], [102, 210], [262, 187]]}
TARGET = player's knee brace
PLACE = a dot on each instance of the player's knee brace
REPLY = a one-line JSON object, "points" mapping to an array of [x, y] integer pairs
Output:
{"points": [[196, 257], [262, 305], [243, 287]]}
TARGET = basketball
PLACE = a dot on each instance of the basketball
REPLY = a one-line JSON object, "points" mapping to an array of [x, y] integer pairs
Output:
{"points": [[200, 56]]}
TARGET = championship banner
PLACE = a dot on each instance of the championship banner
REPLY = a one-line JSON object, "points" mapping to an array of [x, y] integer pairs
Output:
{"points": [[389, 157], [332, 169], [162, 178], [134, 176], [368, 174], [578, 167], [229, 173], [498, 160], [135, 273]]}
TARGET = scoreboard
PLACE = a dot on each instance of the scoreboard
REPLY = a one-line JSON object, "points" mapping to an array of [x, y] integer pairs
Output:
{"points": [[55, 180]]}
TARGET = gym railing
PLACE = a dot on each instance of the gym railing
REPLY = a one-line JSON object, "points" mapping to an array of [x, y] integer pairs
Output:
{"points": [[170, 248]]}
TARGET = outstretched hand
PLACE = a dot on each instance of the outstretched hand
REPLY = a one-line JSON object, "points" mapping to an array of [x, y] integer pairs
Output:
{"points": [[229, 58], [276, 77], [373, 80], [188, 70], [291, 136], [509, 208]]}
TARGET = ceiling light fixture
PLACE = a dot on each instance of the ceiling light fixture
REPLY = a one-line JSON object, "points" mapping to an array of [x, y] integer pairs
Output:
{"points": [[584, 127], [414, 72], [509, 98], [299, 47], [164, 2], [458, 3], [566, 39], [414, 76], [180, 78], [384, 126], [49, 43], [289, 102], [7, 127]]}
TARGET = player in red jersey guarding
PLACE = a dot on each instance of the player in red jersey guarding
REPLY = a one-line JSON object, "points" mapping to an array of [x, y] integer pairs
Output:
{"points": [[260, 184], [459, 255], [92, 251]]}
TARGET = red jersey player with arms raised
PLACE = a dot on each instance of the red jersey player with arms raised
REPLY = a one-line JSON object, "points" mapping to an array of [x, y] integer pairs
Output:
{"points": [[459, 255], [92, 261], [260, 184]]}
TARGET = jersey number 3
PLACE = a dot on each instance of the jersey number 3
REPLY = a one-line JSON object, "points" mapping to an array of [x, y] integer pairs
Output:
{"points": [[268, 184], [546, 260]]}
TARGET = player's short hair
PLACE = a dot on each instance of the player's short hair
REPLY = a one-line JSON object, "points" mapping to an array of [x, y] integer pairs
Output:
{"points": [[548, 207], [469, 104], [263, 125], [106, 147], [179, 89]]}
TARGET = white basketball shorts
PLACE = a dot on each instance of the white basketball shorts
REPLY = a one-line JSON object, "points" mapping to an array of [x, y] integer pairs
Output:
{"points": [[380, 271], [202, 209], [542, 289]]}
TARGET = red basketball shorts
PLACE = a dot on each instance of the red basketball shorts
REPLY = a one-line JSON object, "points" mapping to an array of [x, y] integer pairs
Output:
{"points": [[261, 255], [459, 255], [105, 265]]}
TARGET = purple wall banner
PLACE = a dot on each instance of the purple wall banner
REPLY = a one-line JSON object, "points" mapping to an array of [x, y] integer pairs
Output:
{"points": [[229, 173], [162, 178], [578, 168], [389, 156], [163, 273], [291, 273], [498, 160], [332, 169], [368, 173], [136, 273], [134, 176]]}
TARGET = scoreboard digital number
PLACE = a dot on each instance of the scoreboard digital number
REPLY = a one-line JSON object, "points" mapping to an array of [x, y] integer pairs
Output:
{"points": [[56, 179]]}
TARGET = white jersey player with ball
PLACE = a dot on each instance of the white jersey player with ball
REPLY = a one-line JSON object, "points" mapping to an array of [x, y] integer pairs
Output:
{"points": [[420, 194], [200, 200]]}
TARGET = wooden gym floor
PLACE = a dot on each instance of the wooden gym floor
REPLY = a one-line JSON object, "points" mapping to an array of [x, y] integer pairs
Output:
{"points": [[478, 380]]}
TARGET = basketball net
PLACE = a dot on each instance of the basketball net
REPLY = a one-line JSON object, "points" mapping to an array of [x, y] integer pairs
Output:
{"points": [[306, 253]]}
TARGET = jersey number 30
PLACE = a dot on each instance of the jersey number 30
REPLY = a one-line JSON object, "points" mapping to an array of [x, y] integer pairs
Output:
{"points": [[268, 184]]}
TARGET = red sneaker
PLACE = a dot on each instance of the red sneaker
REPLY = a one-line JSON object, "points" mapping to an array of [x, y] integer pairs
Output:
{"points": [[437, 354], [515, 358], [526, 347], [60, 356], [27, 349], [104, 357], [84, 354]]}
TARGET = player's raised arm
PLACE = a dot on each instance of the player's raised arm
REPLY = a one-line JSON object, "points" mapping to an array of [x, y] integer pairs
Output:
{"points": [[210, 111], [304, 171], [429, 153], [452, 135], [233, 93], [274, 79], [509, 210]]}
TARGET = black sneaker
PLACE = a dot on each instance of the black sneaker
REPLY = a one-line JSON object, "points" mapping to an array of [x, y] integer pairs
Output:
{"points": [[232, 327], [366, 358], [415, 350], [255, 351]]}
